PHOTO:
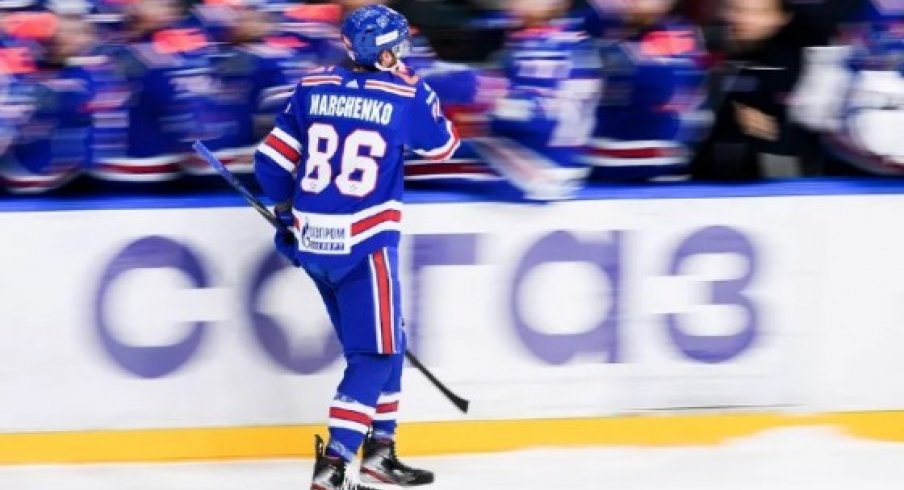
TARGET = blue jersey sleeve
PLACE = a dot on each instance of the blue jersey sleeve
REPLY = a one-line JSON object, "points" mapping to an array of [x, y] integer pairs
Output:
{"points": [[279, 153], [272, 82], [430, 134]]}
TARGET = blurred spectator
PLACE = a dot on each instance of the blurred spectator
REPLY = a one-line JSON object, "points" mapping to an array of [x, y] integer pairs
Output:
{"points": [[763, 49], [651, 114]]}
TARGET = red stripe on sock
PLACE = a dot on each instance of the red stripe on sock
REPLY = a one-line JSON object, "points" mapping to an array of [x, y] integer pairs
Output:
{"points": [[388, 407], [344, 414]]}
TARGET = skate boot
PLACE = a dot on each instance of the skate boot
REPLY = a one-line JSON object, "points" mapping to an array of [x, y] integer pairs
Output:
{"points": [[381, 465], [329, 472]]}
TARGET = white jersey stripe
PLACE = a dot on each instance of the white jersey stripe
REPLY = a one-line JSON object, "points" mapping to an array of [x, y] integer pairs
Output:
{"points": [[394, 86], [329, 80], [286, 138], [389, 398], [447, 149], [390, 88]]}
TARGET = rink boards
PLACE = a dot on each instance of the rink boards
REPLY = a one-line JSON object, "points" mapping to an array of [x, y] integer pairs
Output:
{"points": [[166, 329]]}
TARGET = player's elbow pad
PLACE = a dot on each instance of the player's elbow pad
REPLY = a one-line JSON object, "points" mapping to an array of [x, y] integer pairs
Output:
{"points": [[275, 181]]}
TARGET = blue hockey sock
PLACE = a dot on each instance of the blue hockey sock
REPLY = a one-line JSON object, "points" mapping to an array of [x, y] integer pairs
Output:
{"points": [[386, 417], [352, 411]]}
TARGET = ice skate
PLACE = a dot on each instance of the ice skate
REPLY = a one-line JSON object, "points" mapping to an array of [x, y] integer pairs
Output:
{"points": [[380, 464], [329, 472]]}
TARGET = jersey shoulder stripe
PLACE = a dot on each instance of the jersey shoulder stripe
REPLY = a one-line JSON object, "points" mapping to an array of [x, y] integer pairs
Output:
{"points": [[392, 88], [314, 80]]}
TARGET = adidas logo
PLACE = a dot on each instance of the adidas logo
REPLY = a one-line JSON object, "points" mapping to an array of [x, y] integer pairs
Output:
{"points": [[352, 84]]}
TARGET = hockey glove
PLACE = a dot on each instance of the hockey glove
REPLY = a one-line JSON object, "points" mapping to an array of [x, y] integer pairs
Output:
{"points": [[284, 240]]}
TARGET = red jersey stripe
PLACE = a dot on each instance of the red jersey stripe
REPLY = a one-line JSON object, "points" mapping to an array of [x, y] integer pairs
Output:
{"points": [[648, 152], [365, 224], [449, 152], [166, 168], [385, 299], [285, 150]]}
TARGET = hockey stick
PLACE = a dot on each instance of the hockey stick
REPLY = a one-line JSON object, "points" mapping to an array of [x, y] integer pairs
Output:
{"points": [[261, 208], [456, 400]]}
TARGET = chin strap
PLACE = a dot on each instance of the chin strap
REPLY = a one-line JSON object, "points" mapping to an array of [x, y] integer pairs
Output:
{"points": [[398, 66], [397, 53], [380, 67]]}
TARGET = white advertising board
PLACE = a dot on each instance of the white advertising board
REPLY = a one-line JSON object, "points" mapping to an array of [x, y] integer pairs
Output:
{"points": [[186, 318]]}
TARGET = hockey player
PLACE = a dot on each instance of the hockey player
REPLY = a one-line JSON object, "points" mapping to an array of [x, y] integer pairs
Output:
{"points": [[538, 130], [651, 113], [49, 101], [316, 26], [333, 163], [852, 95], [467, 94], [253, 79], [463, 90], [170, 84]]}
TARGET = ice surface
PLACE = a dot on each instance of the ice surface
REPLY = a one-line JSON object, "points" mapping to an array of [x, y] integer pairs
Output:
{"points": [[784, 459]]}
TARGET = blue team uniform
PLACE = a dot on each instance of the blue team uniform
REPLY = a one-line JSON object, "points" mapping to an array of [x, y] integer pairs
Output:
{"points": [[651, 112], [170, 86], [336, 158], [252, 82], [539, 129], [337, 154], [352, 128], [467, 97], [51, 109], [315, 28]]}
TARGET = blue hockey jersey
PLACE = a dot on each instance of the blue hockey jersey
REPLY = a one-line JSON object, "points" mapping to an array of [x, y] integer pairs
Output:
{"points": [[51, 109], [467, 95], [170, 87], [538, 130], [252, 83], [336, 152], [317, 27], [652, 110]]}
